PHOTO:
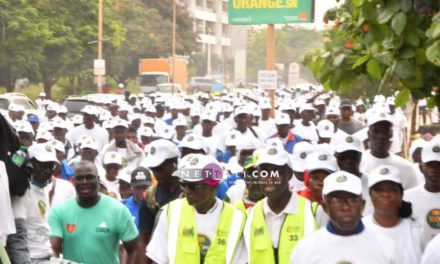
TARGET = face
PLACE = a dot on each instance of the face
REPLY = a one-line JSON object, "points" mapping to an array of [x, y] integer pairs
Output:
{"points": [[86, 181], [307, 115], [174, 112], [62, 115], [181, 130], [120, 134], [346, 112], [386, 197], [145, 140], [265, 113], [334, 119], [274, 180], [360, 109], [379, 136], [136, 123], [417, 155], [198, 193], [138, 191], [252, 185], [88, 154], [112, 170], [164, 172], [392, 108], [89, 120], [431, 170], [344, 210], [195, 120], [42, 171], [123, 114], [59, 133], [25, 138], [283, 130], [60, 155], [349, 161], [227, 114], [125, 190], [132, 136], [324, 140], [243, 154], [207, 126], [316, 182], [242, 121], [51, 114]]}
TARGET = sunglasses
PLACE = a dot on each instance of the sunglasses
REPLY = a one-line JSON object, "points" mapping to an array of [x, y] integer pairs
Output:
{"points": [[191, 186]]}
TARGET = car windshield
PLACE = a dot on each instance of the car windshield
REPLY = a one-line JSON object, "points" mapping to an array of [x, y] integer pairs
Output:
{"points": [[166, 88], [153, 79], [74, 106], [4, 103]]}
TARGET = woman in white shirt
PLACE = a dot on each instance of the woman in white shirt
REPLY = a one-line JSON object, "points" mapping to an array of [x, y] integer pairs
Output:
{"points": [[392, 215]]}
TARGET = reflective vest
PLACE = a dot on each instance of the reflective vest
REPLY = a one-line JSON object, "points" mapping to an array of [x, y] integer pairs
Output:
{"points": [[183, 244], [295, 226], [239, 204]]}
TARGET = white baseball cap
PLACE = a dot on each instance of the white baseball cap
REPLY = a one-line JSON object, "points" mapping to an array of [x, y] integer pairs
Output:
{"points": [[319, 160], [342, 181], [232, 139], [306, 107], [209, 115], [107, 124], [59, 123], [89, 143], [300, 152], [112, 157], [44, 134], [282, 119], [274, 142], [89, 109], [242, 109], [42, 94], [193, 142], [166, 132], [58, 145], [180, 122], [325, 128], [384, 173], [379, 117], [248, 143], [158, 151], [199, 167], [347, 143], [43, 152], [431, 152], [16, 108], [24, 126], [145, 131], [148, 120], [273, 155], [77, 119], [265, 104], [418, 143], [194, 111], [62, 109], [119, 123], [332, 111]]}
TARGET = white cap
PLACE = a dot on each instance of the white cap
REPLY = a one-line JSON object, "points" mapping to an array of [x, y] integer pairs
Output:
{"points": [[194, 111], [134, 116], [319, 160], [306, 107], [243, 109], [180, 122], [431, 152], [197, 167], [347, 143], [193, 142], [379, 117], [42, 94], [158, 151], [149, 108], [265, 104], [44, 134], [232, 139], [145, 131], [209, 115], [332, 111], [148, 120], [124, 107], [112, 157], [227, 108], [77, 119], [300, 152], [58, 145], [62, 109], [418, 143], [383, 173], [59, 123], [274, 142], [166, 132], [16, 108], [89, 109], [390, 101], [24, 126], [273, 155], [89, 143], [53, 107], [124, 174], [43, 152], [120, 123], [342, 181], [248, 143], [282, 119], [325, 128]]}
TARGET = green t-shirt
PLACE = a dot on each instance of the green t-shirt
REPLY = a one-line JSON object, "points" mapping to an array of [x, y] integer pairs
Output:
{"points": [[92, 235]]}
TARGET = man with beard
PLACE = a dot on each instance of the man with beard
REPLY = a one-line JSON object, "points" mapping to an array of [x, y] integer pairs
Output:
{"points": [[89, 227]]}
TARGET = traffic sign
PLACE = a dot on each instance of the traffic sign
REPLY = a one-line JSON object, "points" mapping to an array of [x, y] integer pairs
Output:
{"points": [[267, 79], [99, 67]]}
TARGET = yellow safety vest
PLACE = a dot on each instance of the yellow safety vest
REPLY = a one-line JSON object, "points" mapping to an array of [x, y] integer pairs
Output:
{"points": [[183, 244], [295, 226], [239, 204]]}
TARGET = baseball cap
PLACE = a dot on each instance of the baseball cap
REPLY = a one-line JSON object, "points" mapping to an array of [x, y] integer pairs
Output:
{"points": [[33, 118], [120, 123], [209, 115], [77, 119], [282, 119], [158, 151], [418, 143], [44, 134], [194, 111], [300, 152], [379, 117], [140, 177], [384, 173], [112, 157], [23, 126], [145, 131], [431, 152], [242, 109], [43, 152], [325, 128], [16, 108], [274, 142], [347, 143], [180, 122], [53, 107], [199, 167], [306, 107], [42, 94], [265, 104], [232, 139], [342, 181], [58, 145], [166, 132], [89, 143], [193, 142], [273, 155], [345, 102], [320, 160], [62, 109], [59, 123], [332, 111], [148, 120], [390, 101], [248, 143], [89, 109], [124, 175]]}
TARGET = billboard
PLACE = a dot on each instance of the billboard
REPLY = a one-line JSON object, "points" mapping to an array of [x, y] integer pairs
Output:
{"points": [[253, 12]]}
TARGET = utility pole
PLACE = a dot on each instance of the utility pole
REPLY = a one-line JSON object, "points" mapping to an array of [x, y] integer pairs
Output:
{"points": [[270, 62], [99, 77], [173, 72]]}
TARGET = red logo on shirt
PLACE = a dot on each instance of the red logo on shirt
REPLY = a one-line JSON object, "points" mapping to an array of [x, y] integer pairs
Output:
{"points": [[70, 228]]}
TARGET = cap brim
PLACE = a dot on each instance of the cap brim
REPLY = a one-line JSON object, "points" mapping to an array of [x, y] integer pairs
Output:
{"points": [[342, 148], [140, 183]]}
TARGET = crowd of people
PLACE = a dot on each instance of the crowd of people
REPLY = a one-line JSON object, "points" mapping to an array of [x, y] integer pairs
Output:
{"points": [[219, 179]]}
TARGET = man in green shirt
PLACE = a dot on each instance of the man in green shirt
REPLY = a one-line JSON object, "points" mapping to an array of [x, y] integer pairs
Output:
{"points": [[89, 227]]}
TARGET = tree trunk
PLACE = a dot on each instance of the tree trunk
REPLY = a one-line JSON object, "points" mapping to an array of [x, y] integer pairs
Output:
{"points": [[47, 85], [414, 117], [71, 85]]}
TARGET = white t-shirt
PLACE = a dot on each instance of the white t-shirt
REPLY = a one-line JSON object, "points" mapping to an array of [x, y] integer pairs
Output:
{"points": [[112, 187], [306, 132], [267, 127], [399, 123], [7, 225], [206, 225], [64, 190], [431, 255], [406, 236], [324, 247], [99, 134], [426, 209], [337, 135]]}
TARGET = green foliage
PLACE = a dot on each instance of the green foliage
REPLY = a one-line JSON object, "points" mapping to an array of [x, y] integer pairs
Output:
{"points": [[385, 42], [291, 44]]}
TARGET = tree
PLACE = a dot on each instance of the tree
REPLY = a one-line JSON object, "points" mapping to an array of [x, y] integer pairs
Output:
{"points": [[291, 42], [384, 42]]}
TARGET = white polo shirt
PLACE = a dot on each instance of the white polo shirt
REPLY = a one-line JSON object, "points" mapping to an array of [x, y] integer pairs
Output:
{"points": [[7, 225]]}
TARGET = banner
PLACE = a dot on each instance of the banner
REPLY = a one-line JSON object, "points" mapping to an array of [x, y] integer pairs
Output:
{"points": [[253, 12]]}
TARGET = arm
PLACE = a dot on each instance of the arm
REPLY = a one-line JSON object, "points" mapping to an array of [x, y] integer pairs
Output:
{"points": [[131, 247], [57, 245]]}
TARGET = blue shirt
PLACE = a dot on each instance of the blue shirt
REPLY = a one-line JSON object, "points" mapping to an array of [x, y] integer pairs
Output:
{"points": [[133, 207]]}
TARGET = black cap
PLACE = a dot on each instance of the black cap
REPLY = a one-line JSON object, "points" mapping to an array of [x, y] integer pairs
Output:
{"points": [[140, 176], [345, 102]]}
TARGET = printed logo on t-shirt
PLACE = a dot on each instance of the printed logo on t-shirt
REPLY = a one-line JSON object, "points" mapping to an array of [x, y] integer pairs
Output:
{"points": [[433, 218], [70, 228], [102, 228], [204, 244], [42, 208]]}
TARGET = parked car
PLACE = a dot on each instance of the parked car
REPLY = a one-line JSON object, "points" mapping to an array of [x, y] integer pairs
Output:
{"points": [[74, 104], [17, 98]]}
